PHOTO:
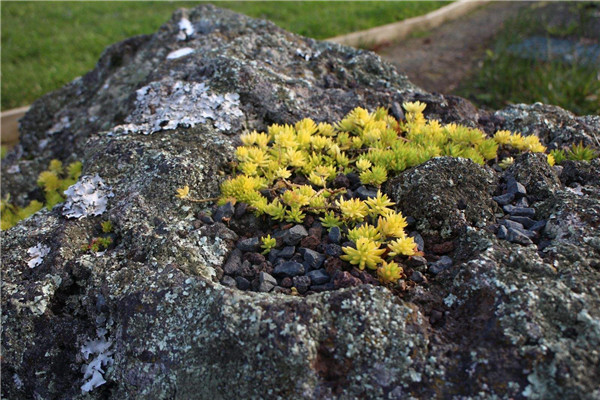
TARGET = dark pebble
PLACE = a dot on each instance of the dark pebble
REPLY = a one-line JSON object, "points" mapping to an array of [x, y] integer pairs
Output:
{"points": [[311, 242], [364, 276], [440, 265], [510, 223], [287, 252], [266, 282], [228, 281], [418, 240], [504, 199], [323, 288], [224, 211], [543, 244], [353, 178], [363, 193], [279, 289], [242, 283], [207, 219], [250, 244], [240, 210], [396, 111], [333, 264], [442, 248], [341, 181], [301, 283], [273, 255], [410, 221], [435, 316], [516, 236], [288, 268], [314, 259], [334, 235], [318, 276], [522, 202], [294, 235], [538, 225], [502, 232], [287, 282], [233, 265], [519, 211], [516, 188], [315, 231], [416, 276], [416, 261], [255, 258], [344, 279], [333, 250], [525, 221], [249, 271]]}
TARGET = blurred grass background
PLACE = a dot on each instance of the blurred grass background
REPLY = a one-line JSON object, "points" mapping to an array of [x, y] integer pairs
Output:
{"points": [[47, 44]]}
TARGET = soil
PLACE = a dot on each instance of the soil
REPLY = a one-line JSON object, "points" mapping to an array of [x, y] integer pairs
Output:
{"points": [[447, 55]]}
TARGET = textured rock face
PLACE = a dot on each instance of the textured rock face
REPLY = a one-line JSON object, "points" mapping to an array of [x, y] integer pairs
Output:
{"points": [[148, 316]]}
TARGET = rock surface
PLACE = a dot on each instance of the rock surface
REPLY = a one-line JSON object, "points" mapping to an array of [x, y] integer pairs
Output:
{"points": [[149, 316]]}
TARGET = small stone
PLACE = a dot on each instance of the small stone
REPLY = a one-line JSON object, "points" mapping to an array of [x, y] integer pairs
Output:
{"points": [[301, 283], [318, 276], [538, 225], [522, 202], [416, 261], [273, 256], [242, 283], [516, 236], [364, 194], [502, 232], [440, 265], [333, 250], [416, 276], [287, 282], [509, 223], [410, 221], [525, 221], [250, 244], [228, 281], [206, 219], [255, 258], [418, 240], [240, 210], [504, 199], [332, 265], [313, 258], [249, 271], [442, 248], [364, 276], [323, 288], [435, 316], [516, 188], [288, 268], [279, 289], [341, 181], [294, 235], [519, 211], [224, 211], [315, 231], [266, 282], [353, 178], [233, 265], [287, 252], [334, 235], [311, 242], [344, 279]]}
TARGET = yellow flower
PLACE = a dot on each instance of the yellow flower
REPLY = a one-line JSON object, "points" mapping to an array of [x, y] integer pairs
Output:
{"points": [[502, 137], [403, 246], [392, 225], [367, 253], [389, 272], [183, 192], [353, 209], [551, 160]]}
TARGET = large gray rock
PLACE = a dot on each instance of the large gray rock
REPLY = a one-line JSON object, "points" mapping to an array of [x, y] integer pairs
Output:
{"points": [[149, 317]]}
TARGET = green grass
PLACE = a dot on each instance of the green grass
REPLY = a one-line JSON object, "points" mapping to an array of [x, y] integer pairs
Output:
{"points": [[47, 44], [507, 78]]}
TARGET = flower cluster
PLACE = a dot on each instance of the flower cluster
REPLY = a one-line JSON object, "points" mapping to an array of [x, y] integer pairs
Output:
{"points": [[289, 171]]}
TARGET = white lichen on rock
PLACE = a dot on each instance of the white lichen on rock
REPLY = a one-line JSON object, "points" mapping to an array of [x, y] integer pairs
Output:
{"points": [[38, 252], [186, 29], [180, 53], [93, 371], [87, 197], [168, 104]]}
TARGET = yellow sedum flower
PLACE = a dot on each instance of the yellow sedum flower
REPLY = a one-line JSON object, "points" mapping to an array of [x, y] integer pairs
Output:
{"points": [[364, 231], [353, 209], [502, 137], [183, 192], [405, 246], [392, 225], [367, 253], [551, 160], [379, 205], [389, 272]]}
